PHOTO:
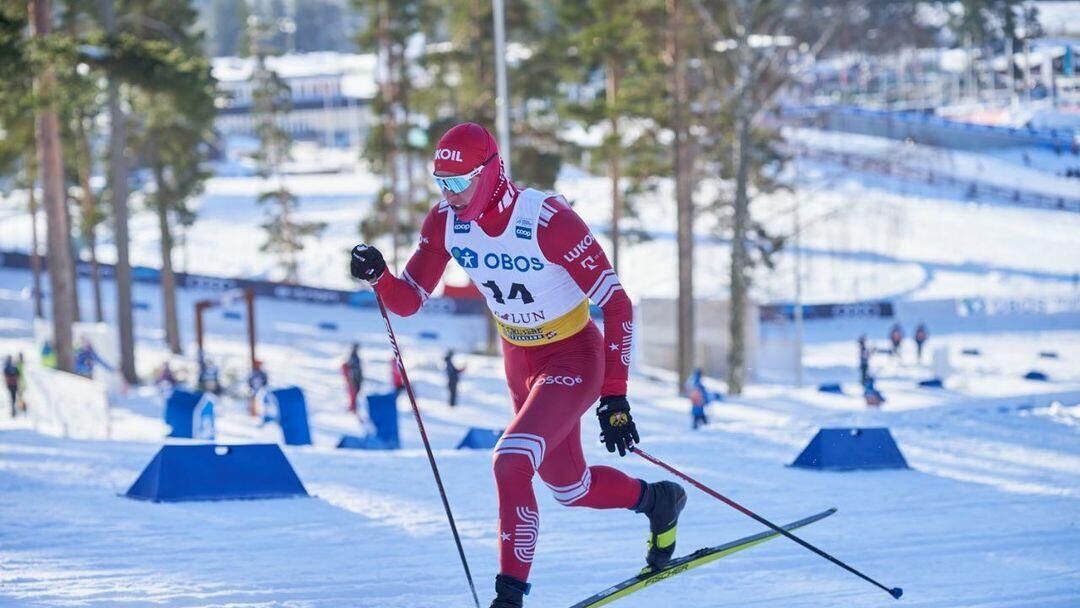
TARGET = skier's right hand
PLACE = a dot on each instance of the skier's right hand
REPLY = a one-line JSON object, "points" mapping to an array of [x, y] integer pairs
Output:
{"points": [[367, 263], [617, 428]]}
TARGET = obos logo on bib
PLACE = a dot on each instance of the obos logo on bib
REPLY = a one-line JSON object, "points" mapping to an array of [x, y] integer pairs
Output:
{"points": [[466, 257]]}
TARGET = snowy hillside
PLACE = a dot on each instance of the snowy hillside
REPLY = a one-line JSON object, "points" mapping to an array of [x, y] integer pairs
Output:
{"points": [[987, 517], [862, 237]]}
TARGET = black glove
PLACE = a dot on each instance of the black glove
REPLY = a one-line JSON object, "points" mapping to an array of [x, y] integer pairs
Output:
{"points": [[617, 428], [367, 263]]}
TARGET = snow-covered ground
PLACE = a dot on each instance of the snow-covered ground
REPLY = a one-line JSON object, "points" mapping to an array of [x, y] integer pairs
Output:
{"points": [[861, 237], [987, 517]]}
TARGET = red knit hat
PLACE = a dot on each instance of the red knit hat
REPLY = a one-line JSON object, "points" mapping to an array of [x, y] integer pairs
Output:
{"points": [[464, 148]]}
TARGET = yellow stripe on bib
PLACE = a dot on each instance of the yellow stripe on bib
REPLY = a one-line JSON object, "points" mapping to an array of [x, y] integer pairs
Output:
{"points": [[552, 331]]}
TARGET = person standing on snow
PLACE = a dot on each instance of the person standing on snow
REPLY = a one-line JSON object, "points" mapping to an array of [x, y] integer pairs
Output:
{"points": [[353, 371], [11, 380], [921, 336], [86, 359], [538, 265], [699, 398], [865, 350], [257, 381], [395, 377], [896, 338], [453, 376]]}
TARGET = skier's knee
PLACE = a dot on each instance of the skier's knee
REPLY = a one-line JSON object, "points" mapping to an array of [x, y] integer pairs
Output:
{"points": [[518, 454], [512, 466], [569, 495]]}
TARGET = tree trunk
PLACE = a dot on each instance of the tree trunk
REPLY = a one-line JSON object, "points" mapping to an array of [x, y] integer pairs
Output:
{"points": [[408, 198], [287, 236], [736, 372], [52, 181], [89, 212], [35, 258], [389, 92], [168, 277], [74, 249], [118, 178], [683, 195], [614, 161]]}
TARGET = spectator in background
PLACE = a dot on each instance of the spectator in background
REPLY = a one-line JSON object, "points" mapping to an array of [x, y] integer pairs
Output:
{"points": [[699, 398], [453, 375], [165, 377], [20, 364], [11, 380], [896, 338], [85, 359], [872, 395], [921, 336], [865, 350], [256, 382], [48, 355], [395, 377], [208, 376], [353, 371]]}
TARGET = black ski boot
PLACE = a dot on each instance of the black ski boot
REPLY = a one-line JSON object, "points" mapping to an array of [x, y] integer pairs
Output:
{"points": [[661, 502], [509, 592]]}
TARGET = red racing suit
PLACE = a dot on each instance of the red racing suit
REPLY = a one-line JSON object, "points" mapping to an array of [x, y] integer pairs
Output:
{"points": [[537, 277]]}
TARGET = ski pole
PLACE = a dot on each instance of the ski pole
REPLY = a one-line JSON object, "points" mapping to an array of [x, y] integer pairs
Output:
{"points": [[896, 592], [427, 446]]}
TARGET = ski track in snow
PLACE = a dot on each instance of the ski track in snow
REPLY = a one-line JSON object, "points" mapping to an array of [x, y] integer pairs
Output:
{"points": [[987, 517]]}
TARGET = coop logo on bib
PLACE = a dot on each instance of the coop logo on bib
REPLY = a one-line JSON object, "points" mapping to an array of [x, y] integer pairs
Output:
{"points": [[465, 257], [461, 227], [524, 229]]}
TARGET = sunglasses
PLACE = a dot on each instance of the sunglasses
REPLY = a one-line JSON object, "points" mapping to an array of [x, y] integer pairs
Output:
{"points": [[460, 183]]}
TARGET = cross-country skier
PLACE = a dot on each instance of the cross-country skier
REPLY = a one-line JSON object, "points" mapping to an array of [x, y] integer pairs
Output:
{"points": [[538, 265]]}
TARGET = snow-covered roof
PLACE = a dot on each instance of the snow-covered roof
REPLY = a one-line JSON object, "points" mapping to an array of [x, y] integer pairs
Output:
{"points": [[1059, 18], [303, 65]]}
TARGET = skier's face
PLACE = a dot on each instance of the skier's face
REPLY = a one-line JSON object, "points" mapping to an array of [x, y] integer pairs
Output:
{"points": [[460, 200]]}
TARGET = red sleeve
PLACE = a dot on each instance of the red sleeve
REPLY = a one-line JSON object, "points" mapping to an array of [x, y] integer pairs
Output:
{"points": [[567, 241], [405, 295]]}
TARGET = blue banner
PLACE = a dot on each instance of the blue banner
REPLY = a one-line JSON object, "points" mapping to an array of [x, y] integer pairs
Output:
{"points": [[813, 312], [262, 289]]}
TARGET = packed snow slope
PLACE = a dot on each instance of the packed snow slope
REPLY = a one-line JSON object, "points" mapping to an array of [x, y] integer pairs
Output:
{"points": [[986, 517], [860, 236]]}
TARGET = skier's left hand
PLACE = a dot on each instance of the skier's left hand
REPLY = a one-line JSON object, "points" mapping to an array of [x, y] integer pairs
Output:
{"points": [[617, 429]]}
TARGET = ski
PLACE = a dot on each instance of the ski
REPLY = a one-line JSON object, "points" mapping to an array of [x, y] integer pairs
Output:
{"points": [[689, 562]]}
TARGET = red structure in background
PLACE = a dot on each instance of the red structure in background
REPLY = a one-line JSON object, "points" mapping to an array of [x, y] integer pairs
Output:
{"points": [[230, 296], [466, 292]]}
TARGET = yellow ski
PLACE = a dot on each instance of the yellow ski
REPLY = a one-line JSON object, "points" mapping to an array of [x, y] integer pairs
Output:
{"points": [[689, 562]]}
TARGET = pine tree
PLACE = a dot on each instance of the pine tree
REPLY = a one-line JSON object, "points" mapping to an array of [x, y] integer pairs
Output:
{"points": [[50, 162], [171, 129], [615, 43], [678, 33], [400, 204], [285, 235], [459, 82], [81, 104], [17, 143], [228, 25]]}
